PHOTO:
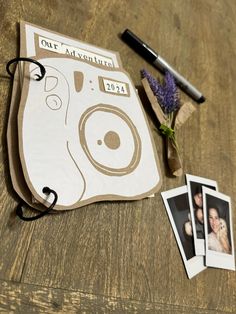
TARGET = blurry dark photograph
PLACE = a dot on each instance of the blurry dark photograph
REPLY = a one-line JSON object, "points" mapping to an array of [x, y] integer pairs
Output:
{"points": [[179, 206]]}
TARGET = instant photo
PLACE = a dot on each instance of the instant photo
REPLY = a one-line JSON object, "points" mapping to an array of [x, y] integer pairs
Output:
{"points": [[218, 229], [177, 207], [195, 184]]}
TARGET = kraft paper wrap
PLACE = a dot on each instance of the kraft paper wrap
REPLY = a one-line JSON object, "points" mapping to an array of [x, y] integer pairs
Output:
{"points": [[181, 116], [173, 158]]}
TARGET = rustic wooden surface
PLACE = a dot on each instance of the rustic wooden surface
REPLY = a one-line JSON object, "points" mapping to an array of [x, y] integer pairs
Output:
{"points": [[121, 257]]}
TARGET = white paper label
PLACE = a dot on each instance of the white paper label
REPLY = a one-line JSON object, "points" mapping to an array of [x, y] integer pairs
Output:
{"points": [[56, 46], [114, 87]]}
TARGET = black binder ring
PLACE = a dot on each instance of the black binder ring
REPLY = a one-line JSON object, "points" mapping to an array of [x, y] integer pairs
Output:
{"points": [[42, 68], [19, 211]]}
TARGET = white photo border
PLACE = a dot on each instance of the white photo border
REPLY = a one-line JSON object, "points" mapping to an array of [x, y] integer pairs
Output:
{"points": [[195, 264], [213, 258], [199, 244]]}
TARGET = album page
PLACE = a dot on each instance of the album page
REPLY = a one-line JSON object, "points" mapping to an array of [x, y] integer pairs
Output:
{"points": [[82, 130]]}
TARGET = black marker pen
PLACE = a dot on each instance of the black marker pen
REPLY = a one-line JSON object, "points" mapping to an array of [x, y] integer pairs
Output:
{"points": [[151, 56]]}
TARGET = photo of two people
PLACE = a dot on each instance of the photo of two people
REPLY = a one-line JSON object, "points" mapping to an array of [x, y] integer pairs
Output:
{"points": [[201, 219], [217, 216]]}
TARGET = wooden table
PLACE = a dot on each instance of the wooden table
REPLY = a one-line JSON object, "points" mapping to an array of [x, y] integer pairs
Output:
{"points": [[122, 257]]}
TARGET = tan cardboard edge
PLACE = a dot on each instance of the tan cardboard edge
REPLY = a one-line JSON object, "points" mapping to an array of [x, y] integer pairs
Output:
{"points": [[16, 172]]}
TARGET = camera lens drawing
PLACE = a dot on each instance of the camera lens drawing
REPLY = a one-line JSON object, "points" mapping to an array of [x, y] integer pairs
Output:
{"points": [[110, 140]]}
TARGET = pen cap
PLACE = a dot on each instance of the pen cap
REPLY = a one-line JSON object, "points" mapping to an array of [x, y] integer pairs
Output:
{"points": [[138, 45]]}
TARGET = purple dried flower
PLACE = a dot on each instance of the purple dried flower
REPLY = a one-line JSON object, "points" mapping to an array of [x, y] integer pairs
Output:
{"points": [[155, 86], [166, 94], [171, 102]]}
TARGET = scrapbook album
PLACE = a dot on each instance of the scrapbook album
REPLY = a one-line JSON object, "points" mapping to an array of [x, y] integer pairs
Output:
{"points": [[77, 131]]}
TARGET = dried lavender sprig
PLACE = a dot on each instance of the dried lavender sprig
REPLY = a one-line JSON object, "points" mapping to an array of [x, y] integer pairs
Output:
{"points": [[171, 102], [166, 94], [155, 86]]}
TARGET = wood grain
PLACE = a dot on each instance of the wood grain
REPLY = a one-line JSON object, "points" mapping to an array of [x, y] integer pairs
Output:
{"points": [[23, 298], [122, 256]]}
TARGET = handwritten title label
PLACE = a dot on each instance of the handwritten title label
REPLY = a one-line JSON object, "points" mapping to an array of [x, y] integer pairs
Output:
{"points": [[56, 46]]}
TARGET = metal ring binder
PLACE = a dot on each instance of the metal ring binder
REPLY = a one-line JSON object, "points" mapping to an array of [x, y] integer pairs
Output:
{"points": [[42, 68], [19, 210]]}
